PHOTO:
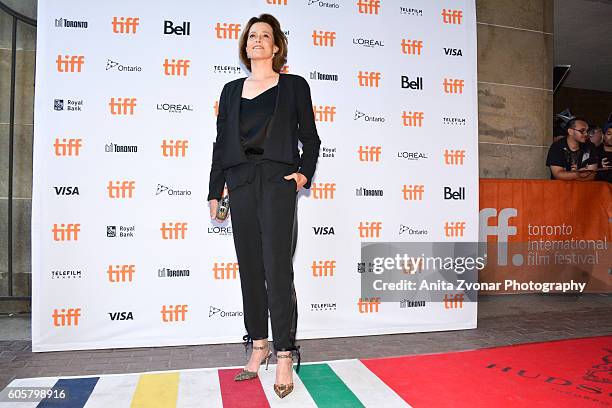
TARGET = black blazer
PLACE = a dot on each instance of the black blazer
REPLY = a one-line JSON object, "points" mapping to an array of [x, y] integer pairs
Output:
{"points": [[292, 120]]}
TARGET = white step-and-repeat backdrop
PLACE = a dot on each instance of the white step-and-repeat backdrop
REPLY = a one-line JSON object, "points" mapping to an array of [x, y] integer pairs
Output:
{"points": [[124, 253]]}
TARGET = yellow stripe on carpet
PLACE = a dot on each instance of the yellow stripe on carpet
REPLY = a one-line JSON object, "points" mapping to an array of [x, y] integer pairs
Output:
{"points": [[156, 391]]}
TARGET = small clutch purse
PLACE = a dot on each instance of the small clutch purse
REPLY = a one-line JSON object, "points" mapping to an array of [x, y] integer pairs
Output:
{"points": [[223, 208]]}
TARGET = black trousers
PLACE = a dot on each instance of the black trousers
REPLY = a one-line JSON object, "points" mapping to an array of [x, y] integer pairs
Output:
{"points": [[264, 223]]}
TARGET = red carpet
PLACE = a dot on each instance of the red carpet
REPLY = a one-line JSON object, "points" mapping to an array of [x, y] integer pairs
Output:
{"points": [[566, 373]]}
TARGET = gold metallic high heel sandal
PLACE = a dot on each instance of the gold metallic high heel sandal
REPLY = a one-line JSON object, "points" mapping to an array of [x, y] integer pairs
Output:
{"points": [[282, 390], [249, 375]]}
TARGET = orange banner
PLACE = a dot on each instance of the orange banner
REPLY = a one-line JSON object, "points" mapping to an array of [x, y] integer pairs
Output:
{"points": [[546, 231]]}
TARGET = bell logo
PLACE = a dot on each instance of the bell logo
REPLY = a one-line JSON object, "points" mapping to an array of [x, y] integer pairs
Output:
{"points": [[454, 229], [174, 148], [176, 67], [323, 191], [413, 119], [125, 25], [453, 301], [365, 305], [369, 153], [66, 232], [368, 79], [369, 229], [413, 192], [173, 313], [122, 106], [368, 6], [453, 86], [454, 157], [66, 317], [70, 63], [121, 189], [323, 38], [412, 47], [323, 268], [173, 230], [502, 230], [67, 147], [227, 31], [225, 270], [452, 16], [324, 113], [121, 273]]}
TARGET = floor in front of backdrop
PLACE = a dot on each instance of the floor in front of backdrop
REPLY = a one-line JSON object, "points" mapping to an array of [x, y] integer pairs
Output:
{"points": [[565, 373]]}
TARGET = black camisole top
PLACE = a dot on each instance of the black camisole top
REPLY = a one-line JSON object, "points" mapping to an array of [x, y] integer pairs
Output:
{"points": [[255, 115]]}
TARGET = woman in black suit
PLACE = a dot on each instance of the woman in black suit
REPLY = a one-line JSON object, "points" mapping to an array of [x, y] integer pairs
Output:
{"points": [[260, 120]]}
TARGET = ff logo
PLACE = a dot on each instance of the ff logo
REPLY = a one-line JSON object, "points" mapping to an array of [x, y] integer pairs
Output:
{"points": [[66, 317], [225, 270], [369, 153], [502, 230], [365, 305], [227, 31], [174, 148], [452, 16], [412, 47], [369, 79], [323, 38], [323, 268], [323, 191], [121, 273], [453, 301], [368, 6]]}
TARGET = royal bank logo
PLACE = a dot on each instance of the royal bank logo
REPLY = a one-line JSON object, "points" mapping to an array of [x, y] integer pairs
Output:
{"points": [[165, 190], [327, 152], [117, 66], [120, 231], [361, 116], [227, 69], [214, 311], [323, 307], [68, 105]]}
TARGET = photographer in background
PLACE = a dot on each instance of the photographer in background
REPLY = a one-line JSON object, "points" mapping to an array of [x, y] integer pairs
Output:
{"points": [[573, 157]]}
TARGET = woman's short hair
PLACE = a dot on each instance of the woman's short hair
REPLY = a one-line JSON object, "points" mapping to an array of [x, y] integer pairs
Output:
{"points": [[280, 40]]}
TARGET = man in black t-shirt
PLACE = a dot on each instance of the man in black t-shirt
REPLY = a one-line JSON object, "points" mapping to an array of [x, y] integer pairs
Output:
{"points": [[604, 153], [573, 157]]}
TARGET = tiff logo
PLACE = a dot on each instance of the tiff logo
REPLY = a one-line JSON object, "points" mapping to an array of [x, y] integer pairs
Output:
{"points": [[174, 148], [369, 153], [66, 317], [454, 157], [323, 38], [227, 31], [412, 47], [277, 2], [413, 192], [122, 106], [70, 63], [176, 67], [173, 230], [225, 270], [454, 229], [453, 86], [324, 113], [368, 79], [121, 273], [365, 305], [66, 232], [452, 16], [323, 191], [453, 301], [121, 189], [369, 229], [323, 268], [368, 6], [412, 119], [67, 147], [125, 25], [173, 313]]}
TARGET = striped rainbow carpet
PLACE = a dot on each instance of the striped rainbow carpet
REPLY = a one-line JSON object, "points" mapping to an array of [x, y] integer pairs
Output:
{"points": [[555, 374]]}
